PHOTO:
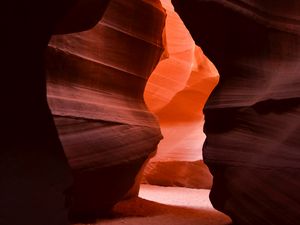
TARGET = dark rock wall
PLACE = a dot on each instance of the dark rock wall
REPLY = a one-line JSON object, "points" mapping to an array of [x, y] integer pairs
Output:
{"points": [[252, 118], [34, 173]]}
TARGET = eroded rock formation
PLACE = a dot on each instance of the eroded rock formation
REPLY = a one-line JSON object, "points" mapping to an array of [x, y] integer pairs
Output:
{"points": [[252, 119], [96, 81], [176, 93]]}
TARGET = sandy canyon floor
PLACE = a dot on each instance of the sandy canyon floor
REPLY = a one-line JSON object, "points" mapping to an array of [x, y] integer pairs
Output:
{"points": [[166, 206]]}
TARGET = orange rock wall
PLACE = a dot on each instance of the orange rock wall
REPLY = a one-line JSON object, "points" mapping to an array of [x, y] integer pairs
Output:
{"points": [[176, 93]]}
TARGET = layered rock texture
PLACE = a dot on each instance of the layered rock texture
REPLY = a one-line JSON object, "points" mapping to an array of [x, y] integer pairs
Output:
{"points": [[176, 93], [96, 81], [96, 84], [95, 91], [252, 119]]}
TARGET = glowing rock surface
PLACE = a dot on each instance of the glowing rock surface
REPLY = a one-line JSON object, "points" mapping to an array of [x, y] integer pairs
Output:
{"points": [[176, 93]]}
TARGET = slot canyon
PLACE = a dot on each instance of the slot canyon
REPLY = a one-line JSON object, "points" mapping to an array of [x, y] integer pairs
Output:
{"points": [[150, 112]]}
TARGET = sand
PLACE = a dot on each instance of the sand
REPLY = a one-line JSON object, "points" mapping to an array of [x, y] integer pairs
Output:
{"points": [[166, 206]]}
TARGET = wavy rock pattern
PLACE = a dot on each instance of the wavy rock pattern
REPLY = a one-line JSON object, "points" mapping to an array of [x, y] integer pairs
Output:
{"points": [[253, 116], [96, 81], [176, 92]]}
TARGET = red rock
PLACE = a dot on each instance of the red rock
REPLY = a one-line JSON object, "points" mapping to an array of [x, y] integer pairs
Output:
{"points": [[96, 81]]}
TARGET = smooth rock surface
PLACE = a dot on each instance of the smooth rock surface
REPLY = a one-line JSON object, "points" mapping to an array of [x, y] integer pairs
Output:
{"points": [[176, 93], [178, 174], [252, 119], [96, 81]]}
